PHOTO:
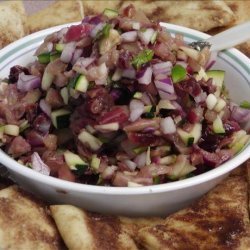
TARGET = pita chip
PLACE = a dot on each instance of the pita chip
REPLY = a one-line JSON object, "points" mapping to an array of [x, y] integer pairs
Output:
{"points": [[12, 22], [220, 220], [25, 223], [59, 12], [200, 15], [85, 230]]}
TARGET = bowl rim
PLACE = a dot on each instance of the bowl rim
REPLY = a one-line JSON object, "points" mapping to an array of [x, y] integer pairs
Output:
{"points": [[223, 169]]}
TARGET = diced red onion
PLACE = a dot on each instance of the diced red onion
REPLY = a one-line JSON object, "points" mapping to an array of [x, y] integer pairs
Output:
{"points": [[167, 96], [68, 52], [239, 114], [84, 62], [183, 64], [129, 73], [146, 76], [140, 160], [93, 20], [97, 28], [130, 164], [77, 54], [201, 97], [165, 85], [163, 68], [45, 107], [109, 172], [212, 60], [145, 99], [136, 108], [26, 83], [38, 165], [62, 32], [145, 36], [50, 46], [136, 25], [129, 36], [102, 74], [168, 125]]}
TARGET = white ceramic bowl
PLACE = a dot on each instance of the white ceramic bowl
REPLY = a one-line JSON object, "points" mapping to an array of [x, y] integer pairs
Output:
{"points": [[136, 201]]}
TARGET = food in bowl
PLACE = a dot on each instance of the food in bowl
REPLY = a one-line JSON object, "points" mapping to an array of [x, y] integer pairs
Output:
{"points": [[118, 101]]}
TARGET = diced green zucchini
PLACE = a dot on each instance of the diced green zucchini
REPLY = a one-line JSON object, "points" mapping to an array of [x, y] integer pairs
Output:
{"points": [[240, 144], [165, 104], [59, 47], [221, 103], [107, 43], [44, 58], [211, 101], [60, 118], [137, 95], [218, 77], [95, 162], [47, 79], [168, 160], [156, 179], [178, 73], [148, 158], [24, 125], [245, 104], [181, 168], [2, 128], [89, 140], [239, 139], [110, 13], [65, 95], [82, 83], [74, 161], [139, 150], [218, 127], [153, 38], [189, 138], [113, 126], [54, 55], [10, 129]]}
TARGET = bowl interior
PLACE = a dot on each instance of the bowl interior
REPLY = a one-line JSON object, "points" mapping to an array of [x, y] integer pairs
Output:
{"points": [[236, 65]]}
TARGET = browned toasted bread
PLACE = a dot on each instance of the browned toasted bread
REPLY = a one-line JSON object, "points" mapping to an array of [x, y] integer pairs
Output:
{"points": [[200, 15], [25, 223], [218, 221], [57, 13], [12, 22], [85, 230]]}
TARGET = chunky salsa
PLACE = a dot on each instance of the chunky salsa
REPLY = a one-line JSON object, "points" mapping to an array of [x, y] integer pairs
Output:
{"points": [[118, 101]]}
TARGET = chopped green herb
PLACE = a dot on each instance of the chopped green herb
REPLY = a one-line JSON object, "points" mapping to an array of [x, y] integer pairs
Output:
{"points": [[178, 73], [156, 180], [142, 58], [245, 105], [44, 58], [54, 55], [104, 32], [110, 13]]}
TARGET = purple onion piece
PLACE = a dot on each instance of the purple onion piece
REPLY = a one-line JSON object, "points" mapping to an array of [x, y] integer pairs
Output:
{"points": [[26, 83], [145, 77], [38, 165], [68, 52], [45, 107], [165, 85], [77, 54]]}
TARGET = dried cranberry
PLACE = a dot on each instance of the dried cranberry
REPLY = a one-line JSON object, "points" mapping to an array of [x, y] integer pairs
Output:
{"points": [[15, 71], [231, 126], [144, 139]]}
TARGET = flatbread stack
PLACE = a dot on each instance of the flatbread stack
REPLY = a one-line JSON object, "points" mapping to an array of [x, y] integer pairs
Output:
{"points": [[220, 220]]}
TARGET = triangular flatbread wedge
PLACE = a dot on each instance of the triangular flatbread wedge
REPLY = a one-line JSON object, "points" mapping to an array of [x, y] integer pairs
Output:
{"points": [[12, 22], [59, 12], [220, 220], [97, 7], [82, 230], [25, 223], [200, 15]]}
